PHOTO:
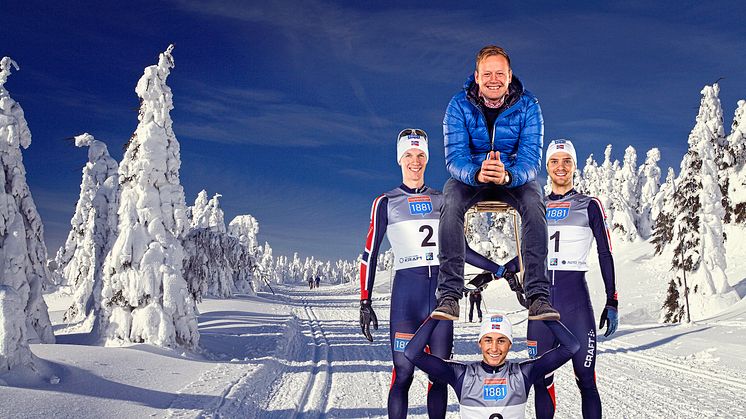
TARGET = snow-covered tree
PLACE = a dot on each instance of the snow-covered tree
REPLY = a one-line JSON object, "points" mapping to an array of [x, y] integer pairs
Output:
{"points": [[216, 264], [737, 173], [628, 181], [590, 184], [295, 269], [23, 255], [699, 251], [23, 312], [245, 228], [710, 118], [662, 213], [650, 180], [145, 296], [207, 214], [94, 227]]}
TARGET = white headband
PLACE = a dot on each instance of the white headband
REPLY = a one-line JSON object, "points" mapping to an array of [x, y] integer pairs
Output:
{"points": [[409, 139], [557, 146], [497, 323]]}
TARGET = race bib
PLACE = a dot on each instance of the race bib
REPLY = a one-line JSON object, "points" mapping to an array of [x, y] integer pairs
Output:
{"points": [[532, 348], [420, 205], [401, 340], [558, 210], [495, 389]]}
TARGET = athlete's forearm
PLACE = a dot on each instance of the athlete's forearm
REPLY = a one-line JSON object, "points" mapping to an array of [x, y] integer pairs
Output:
{"points": [[474, 258], [554, 358], [597, 223], [376, 233], [435, 367]]}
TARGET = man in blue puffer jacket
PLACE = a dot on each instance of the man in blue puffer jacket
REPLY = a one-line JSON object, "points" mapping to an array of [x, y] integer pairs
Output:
{"points": [[494, 135]]}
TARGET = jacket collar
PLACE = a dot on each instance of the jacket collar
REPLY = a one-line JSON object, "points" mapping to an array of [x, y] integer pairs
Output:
{"points": [[492, 370], [409, 190], [553, 196]]}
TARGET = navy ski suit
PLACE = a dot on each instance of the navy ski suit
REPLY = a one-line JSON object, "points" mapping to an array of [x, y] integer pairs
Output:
{"points": [[477, 383], [410, 219], [574, 221]]}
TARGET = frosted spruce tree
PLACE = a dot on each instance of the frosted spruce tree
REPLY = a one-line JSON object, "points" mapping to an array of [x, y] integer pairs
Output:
{"points": [[23, 270], [624, 196], [710, 117], [93, 230], [737, 173], [699, 251], [245, 228], [145, 296], [650, 179], [590, 184], [207, 213], [662, 214]]}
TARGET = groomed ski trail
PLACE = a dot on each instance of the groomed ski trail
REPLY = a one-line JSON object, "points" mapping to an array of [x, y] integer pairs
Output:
{"points": [[326, 369]]}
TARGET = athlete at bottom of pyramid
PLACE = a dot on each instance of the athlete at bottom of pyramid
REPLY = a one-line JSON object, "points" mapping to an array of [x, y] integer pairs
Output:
{"points": [[494, 385]]}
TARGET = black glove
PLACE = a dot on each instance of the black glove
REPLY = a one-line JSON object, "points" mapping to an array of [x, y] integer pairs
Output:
{"points": [[479, 282], [610, 316], [513, 282], [367, 315]]}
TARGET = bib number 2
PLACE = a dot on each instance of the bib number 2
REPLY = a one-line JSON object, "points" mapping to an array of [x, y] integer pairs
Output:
{"points": [[428, 230]]}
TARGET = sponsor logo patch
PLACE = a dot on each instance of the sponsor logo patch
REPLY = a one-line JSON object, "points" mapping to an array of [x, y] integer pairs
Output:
{"points": [[532, 350], [553, 261], [496, 319], [401, 340], [495, 388], [557, 210], [413, 258], [420, 205], [429, 256]]}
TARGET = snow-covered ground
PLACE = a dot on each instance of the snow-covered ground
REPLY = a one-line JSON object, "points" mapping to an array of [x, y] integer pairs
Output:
{"points": [[299, 353]]}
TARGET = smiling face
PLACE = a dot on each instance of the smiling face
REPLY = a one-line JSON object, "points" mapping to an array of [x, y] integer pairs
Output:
{"points": [[495, 348], [493, 75], [561, 169], [413, 164]]}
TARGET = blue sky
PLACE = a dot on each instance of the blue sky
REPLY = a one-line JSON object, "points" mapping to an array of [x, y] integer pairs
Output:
{"points": [[290, 109]]}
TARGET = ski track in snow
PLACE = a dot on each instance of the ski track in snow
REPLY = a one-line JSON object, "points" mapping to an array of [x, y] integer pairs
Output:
{"points": [[302, 355], [327, 369]]}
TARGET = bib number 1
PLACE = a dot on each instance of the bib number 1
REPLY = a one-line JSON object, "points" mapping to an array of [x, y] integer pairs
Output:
{"points": [[556, 238]]}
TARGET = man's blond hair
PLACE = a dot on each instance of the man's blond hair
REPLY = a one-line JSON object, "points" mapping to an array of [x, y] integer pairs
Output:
{"points": [[489, 51]]}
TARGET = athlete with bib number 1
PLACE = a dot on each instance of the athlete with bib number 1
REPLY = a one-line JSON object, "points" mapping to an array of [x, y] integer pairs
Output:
{"points": [[574, 220], [409, 216]]}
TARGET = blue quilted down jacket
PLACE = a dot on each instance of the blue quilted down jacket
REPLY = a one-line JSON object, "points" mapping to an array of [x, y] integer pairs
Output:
{"points": [[518, 135]]}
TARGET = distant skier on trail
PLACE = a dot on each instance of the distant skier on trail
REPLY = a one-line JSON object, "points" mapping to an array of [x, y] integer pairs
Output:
{"points": [[409, 216], [493, 132], [317, 282], [475, 300], [493, 387], [574, 221]]}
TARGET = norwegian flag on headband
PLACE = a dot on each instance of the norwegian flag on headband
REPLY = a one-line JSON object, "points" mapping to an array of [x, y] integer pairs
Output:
{"points": [[560, 146], [415, 143]]}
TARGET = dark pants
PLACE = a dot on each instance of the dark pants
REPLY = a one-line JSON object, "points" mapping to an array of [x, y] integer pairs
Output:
{"points": [[412, 301], [478, 304], [526, 199], [569, 295]]}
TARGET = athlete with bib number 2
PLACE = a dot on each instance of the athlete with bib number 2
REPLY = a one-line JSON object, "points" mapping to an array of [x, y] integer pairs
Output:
{"points": [[409, 216], [574, 220]]}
